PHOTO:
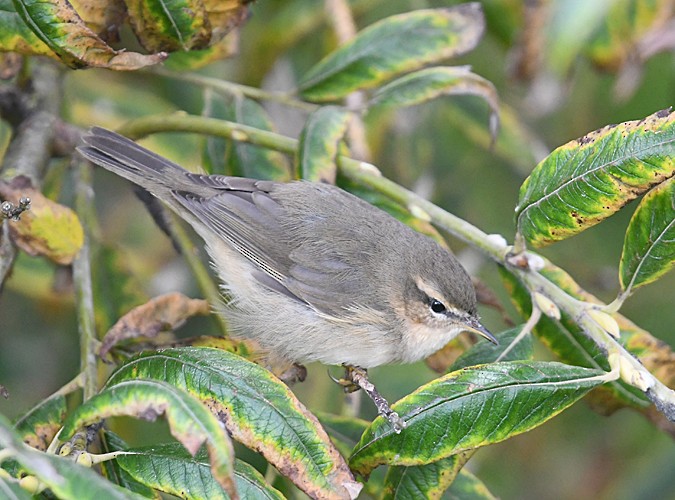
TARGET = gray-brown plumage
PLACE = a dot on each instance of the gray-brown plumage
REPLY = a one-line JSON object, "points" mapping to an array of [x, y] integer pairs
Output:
{"points": [[313, 272]]}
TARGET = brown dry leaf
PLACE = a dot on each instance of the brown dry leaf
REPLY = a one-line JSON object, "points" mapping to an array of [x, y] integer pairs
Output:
{"points": [[48, 228], [148, 320]]}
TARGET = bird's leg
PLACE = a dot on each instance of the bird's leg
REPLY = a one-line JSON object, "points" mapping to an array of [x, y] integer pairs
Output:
{"points": [[357, 378]]}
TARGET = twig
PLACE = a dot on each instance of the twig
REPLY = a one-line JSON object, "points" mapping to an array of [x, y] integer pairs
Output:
{"points": [[236, 89], [83, 283]]}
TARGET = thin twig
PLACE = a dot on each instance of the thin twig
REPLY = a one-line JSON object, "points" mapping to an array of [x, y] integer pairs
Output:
{"points": [[83, 284]]}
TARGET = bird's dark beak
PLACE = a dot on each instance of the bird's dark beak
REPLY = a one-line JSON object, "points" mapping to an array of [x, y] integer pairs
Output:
{"points": [[473, 325]]}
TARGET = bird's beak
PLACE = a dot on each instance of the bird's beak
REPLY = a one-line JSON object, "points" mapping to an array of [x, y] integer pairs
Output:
{"points": [[473, 325]]}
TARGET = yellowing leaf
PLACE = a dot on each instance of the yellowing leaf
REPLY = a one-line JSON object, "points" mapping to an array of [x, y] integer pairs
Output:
{"points": [[48, 228]]}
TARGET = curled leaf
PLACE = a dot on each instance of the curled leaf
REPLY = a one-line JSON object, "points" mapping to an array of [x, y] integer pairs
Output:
{"points": [[162, 313], [189, 421], [430, 83], [257, 409]]}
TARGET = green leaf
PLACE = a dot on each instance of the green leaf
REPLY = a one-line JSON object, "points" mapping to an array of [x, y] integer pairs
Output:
{"points": [[190, 422], [57, 26], [486, 352], [422, 481], [468, 487], [247, 160], [649, 246], [65, 478], [38, 427], [570, 344], [10, 490], [257, 409], [169, 25], [170, 469], [393, 46], [588, 179], [431, 83], [319, 141], [470, 408], [116, 474]]}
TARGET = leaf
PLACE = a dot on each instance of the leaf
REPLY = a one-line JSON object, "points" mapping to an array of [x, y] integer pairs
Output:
{"points": [[56, 25], [170, 469], [423, 481], [48, 228], [169, 26], [649, 246], [618, 41], [430, 83], [468, 487], [486, 352], [570, 344], [65, 478], [588, 179], [247, 160], [319, 141], [162, 313], [116, 474], [189, 421], [470, 408], [257, 409], [10, 490], [393, 46], [38, 427]]}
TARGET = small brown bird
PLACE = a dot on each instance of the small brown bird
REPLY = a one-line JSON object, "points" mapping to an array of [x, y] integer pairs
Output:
{"points": [[311, 272]]}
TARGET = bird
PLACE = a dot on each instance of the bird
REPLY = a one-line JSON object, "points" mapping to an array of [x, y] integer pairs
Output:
{"points": [[309, 271]]}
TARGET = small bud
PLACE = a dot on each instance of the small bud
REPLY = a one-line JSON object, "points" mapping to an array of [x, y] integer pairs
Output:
{"points": [[370, 168], [606, 322], [546, 305], [238, 135], [641, 381], [497, 239], [65, 450], [31, 484], [535, 262], [85, 459], [419, 213]]}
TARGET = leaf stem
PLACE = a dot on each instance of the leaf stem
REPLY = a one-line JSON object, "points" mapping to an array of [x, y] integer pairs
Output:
{"points": [[235, 89]]}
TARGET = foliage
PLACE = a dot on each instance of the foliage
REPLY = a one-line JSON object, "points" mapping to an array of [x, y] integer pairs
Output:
{"points": [[366, 96]]}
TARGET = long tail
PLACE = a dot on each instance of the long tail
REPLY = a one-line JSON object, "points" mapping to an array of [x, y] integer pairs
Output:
{"points": [[131, 161]]}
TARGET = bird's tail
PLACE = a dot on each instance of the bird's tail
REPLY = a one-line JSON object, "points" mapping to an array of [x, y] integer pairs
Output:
{"points": [[131, 161]]}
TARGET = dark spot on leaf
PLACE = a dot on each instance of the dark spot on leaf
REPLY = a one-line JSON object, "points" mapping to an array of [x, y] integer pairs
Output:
{"points": [[584, 140], [577, 217], [610, 127], [663, 113]]}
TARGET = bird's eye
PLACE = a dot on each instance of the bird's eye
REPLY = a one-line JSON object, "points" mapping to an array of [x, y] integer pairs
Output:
{"points": [[437, 306]]}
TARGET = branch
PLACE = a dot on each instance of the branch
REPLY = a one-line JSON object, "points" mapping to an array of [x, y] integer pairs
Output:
{"points": [[30, 148]]}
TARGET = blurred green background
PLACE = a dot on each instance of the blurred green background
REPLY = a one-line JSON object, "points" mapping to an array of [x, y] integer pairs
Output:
{"points": [[562, 68]]}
